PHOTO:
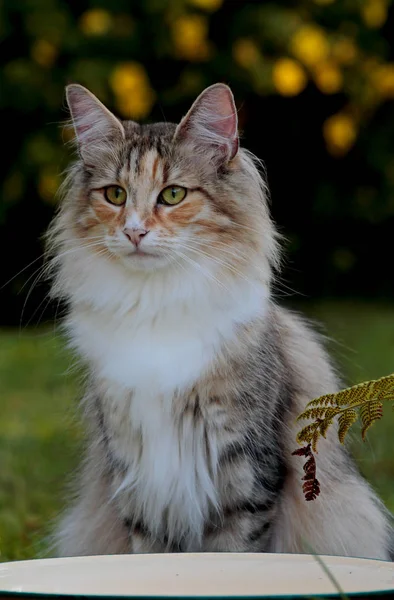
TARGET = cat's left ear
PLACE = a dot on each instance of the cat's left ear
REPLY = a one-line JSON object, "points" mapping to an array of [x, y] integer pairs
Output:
{"points": [[212, 124], [94, 124]]}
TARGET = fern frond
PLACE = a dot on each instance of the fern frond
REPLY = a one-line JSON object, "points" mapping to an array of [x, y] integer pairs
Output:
{"points": [[307, 433], [317, 412], [382, 388], [326, 400], [366, 397], [345, 421], [324, 425], [314, 440], [370, 412]]}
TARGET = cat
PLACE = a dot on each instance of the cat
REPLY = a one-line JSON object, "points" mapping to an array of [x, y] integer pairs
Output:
{"points": [[164, 251]]}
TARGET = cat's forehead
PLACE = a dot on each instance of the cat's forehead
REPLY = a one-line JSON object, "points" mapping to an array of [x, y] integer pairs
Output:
{"points": [[151, 136], [147, 156], [150, 155], [146, 147]]}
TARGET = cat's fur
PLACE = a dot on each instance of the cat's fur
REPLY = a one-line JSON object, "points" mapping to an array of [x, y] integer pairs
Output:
{"points": [[196, 375]]}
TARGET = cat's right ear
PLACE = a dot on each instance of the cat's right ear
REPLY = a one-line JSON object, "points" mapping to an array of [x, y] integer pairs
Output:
{"points": [[93, 122], [211, 124]]}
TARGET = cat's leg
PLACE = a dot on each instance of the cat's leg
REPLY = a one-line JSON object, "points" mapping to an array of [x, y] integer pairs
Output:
{"points": [[93, 524], [91, 528], [247, 529], [142, 542], [346, 518], [249, 483]]}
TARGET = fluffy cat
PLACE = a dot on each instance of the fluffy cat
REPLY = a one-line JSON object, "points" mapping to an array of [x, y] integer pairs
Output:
{"points": [[164, 251]]}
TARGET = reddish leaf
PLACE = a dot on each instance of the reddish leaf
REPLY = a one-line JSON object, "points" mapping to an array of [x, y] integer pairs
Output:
{"points": [[311, 486], [311, 489], [304, 451], [310, 466]]}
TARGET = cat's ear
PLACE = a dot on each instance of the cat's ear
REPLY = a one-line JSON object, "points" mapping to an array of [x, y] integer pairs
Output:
{"points": [[93, 122], [212, 123]]}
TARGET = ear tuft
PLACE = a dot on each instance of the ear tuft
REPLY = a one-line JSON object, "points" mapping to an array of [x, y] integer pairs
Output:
{"points": [[93, 122], [212, 124]]}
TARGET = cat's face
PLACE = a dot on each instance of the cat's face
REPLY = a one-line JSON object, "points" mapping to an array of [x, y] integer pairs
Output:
{"points": [[154, 195], [150, 205]]}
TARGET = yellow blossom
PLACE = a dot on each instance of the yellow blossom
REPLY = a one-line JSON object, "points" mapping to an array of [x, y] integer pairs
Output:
{"points": [[246, 53], [289, 77], [374, 13], [44, 53], [208, 5], [339, 133], [189, 34], [345, 51], [310, 45], [383, 80], [48, 184], [128, 77], [136, 105], [96, 21], [328, 77], [133, 94]]}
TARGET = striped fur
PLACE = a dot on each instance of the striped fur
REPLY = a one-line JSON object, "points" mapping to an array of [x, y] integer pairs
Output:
{"points": [[196, 376]]}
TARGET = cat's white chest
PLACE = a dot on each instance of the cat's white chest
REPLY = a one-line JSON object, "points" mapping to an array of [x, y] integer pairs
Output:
{"points": [[165, 332], [169, 353], [169, 481]]}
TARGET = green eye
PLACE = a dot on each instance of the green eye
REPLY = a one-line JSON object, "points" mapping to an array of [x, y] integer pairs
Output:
{"points": [[115, 195], [172, 195]]}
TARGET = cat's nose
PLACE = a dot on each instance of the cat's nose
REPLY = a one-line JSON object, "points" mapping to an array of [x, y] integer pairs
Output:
{"points": [[135, 234]]}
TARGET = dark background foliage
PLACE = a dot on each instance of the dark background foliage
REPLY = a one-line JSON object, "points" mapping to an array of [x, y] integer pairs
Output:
{"points": [[314, 83]]}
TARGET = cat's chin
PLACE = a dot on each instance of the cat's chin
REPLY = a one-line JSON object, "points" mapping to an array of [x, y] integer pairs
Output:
{"points": [[144, 261]]}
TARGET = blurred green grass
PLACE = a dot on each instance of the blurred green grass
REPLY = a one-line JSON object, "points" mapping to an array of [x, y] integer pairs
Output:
{"points": [[40, 434], [39, 437]]}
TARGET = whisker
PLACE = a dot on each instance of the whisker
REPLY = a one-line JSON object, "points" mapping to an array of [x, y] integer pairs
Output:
{"points": [[47, 297], [57, 257], [179, 264], [239, 254], [41, 256], [223, 263], [22, 270], [40, 270], [246, 228], [60, 300], [199, 268], [48, 265], [224, 248], [216, 260], [27, 298], [43, 270], [279, 285]]}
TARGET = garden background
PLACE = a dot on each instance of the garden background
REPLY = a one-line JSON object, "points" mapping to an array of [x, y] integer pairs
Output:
{"points": [[314, 85]]}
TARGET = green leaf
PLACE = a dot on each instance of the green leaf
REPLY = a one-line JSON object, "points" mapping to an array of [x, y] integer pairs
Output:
{"points": [[345, 421], [370, 412]]}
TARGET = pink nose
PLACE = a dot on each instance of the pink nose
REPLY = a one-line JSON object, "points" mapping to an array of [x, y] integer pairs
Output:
{"points": [[135, 234]]}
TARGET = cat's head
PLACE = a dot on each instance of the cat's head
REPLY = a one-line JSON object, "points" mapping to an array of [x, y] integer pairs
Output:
{"points": [[150, 197]]}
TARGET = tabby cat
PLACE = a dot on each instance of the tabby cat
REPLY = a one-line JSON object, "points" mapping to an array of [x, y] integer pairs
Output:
{"points": [[164, 252]]}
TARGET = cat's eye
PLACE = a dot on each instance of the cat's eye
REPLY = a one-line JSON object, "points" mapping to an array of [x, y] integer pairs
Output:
{"points": [[115, 195], [174, 194]]}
